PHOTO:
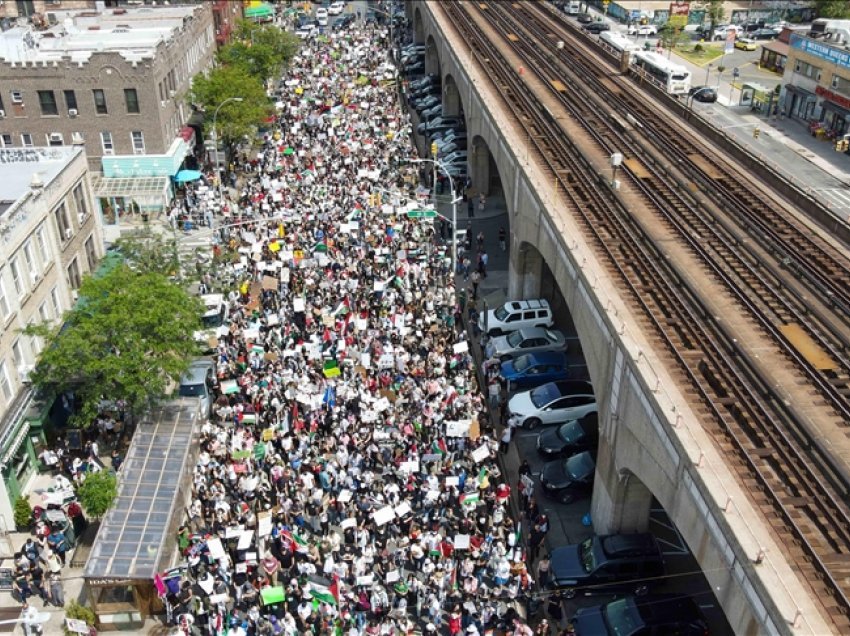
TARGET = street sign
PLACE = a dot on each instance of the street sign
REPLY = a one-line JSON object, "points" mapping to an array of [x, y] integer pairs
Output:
{"points": [[736, 73], [421, 214]]}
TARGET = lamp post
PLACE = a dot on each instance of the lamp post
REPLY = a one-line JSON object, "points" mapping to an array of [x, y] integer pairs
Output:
{"points": [[439, 165], [215, 141]]}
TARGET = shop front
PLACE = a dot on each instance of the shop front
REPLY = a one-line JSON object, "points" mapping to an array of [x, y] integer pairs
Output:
{"points": [[799, 103], [835, 113]]}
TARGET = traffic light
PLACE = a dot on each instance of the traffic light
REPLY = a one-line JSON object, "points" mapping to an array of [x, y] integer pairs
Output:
{"points": [[434, 149]]}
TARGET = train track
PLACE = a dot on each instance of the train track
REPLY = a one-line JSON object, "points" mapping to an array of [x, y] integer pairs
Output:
{"points": [[796, 484]]}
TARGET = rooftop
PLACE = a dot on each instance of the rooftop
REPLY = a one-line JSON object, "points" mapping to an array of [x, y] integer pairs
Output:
{"points": [[132, 32], [20, 165]]}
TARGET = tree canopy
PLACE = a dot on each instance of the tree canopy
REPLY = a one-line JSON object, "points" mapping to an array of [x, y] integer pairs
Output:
{"points": [[97, 492], [149, 251], [714, 12], [261, 50], [235, 119], [129, 336], [835, 9]]}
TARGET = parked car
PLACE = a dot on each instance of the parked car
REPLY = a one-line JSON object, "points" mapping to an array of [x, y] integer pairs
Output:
{"points": [[596, 27], [516, 314], [721, 31], [197, 382], [566, 480], [449, 148], [746, 44], [534, 369], [307, 30], [584, 18], [642, 616], [432, 112], [707, 94], [604, 564], [525, 340], [642, 29], [336, 8], [444, 123], [448, 135], [215, 315], [322, 16], [425, 103], [552, 403], [764, 34], [570, 437], [343, 21], [458, 156], [414, 69]]}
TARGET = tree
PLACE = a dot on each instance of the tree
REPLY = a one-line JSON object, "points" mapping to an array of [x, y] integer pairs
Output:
{"points": [[235, 119], [262, 50], [80, 612], [835, 9], [128, 338], [149, 251], [673, 33], [715, 13], [97, 492], [22, 513]]}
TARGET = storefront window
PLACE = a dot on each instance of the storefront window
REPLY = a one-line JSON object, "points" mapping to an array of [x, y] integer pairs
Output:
{"points": [[121, 594]]}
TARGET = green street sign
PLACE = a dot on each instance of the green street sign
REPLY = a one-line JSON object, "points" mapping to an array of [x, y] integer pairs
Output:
{"points": [[421, 214]]}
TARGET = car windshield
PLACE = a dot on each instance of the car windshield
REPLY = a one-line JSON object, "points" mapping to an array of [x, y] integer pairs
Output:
{"points": [[585, 552], [522, 363], [191, 390], [579, 466], [570, 432], [515, 339], [213, 319], [542, 395], [551, 336], [622, 617]]}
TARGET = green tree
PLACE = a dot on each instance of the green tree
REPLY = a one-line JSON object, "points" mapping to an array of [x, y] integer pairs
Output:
{"points": [[235, 119], [128, 338], [149, 251], [714, 12], [262, 50], [836, 9], [80, 612], [22, 512], [97, 492], [673, 33]]}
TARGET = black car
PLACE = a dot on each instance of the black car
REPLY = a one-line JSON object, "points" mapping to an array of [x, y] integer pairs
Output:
{"points": [[705, 94], [414, 69], [596, 27], [764, 34], [343, 21], [566, 480], [642, 616], [570, 437], [584, 18], [605, 564]]}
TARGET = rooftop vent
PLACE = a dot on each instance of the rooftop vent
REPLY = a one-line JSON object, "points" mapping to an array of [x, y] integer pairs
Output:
{"points": [[36, 183]]}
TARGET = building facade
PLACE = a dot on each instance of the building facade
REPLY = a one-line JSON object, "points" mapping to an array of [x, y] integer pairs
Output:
{"points": [[114, 80], [817, 85], [50, 237]]}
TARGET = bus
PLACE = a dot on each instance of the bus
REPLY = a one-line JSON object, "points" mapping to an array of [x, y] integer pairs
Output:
{"points": [[617, 43], [673, 78]]}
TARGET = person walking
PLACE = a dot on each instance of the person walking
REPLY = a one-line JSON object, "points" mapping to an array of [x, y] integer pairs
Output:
{"points": [[476, 280], [57, 594], [503, 235], [505, 440], [482, 201], [470, 208]]}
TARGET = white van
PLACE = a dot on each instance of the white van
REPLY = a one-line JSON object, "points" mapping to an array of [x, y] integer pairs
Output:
{"points": [[215, 315], [516, 314]]}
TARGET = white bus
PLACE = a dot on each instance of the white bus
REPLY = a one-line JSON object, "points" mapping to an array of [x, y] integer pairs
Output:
{"points": [[673, 78], [617, 43]]}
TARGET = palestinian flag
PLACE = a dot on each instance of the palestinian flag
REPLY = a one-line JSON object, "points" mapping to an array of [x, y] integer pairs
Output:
{"points": [[469, 498], [323, 594], [321, 246], [257, 348], [439, 447]]}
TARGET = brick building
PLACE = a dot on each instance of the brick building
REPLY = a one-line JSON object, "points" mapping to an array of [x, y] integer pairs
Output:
{"points": [[114, 80], [50, 237]]}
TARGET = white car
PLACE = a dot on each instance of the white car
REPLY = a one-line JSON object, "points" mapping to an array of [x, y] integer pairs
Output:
{"points": [[552, 403], [307, 31], [514, 315], [643, 29], [721, 32], [322, 16], [336, 8]]}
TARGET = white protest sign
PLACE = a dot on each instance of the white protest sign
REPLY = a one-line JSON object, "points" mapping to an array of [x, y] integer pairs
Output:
{"points": [[245, 540], [480, 454], [458, 428], [402, 509], [461, 347], [461, 542], [216, 549], [298, 304], [383, 515]]}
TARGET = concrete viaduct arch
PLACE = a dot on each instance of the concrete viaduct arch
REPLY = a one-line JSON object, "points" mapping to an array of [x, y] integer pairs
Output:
{"points": [[643, 451]]}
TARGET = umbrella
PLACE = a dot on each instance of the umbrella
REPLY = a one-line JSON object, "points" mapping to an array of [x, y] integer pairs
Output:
{"points": [[187, 175]]}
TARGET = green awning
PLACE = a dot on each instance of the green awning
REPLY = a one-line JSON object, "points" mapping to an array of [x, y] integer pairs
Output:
{"points": [[257, 11]]}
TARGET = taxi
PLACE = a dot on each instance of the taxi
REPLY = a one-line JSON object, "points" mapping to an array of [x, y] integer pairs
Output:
{"points": [[746, 44]]}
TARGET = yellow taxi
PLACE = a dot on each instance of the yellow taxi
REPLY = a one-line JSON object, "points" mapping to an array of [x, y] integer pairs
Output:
{"points": [[746, 44]]}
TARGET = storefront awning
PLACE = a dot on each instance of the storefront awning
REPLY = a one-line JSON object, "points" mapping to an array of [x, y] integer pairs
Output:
{"points": [[835, 108], [780, 48], [136, 535], [259, 11], [799, 91]]}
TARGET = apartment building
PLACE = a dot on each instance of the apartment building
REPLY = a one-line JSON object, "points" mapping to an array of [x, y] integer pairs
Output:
{"points": [[50, 237], [114, 80]]}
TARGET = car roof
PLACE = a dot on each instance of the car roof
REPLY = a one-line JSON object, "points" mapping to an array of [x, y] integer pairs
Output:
{"points": [[623, 545], [197, 371], [548, 357], [533, 332], [574, 387], [517, 305], [660, 609]]}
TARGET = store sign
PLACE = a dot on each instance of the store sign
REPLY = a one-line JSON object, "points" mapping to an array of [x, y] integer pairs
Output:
{"points": [[822, 51], [107, 582], [842, 101], [680, 8]]}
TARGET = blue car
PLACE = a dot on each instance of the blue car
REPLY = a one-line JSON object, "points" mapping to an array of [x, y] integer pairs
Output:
{"points": [[534, 369]]}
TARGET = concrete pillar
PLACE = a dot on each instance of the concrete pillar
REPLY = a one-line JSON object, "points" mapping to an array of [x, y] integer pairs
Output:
{"points": [[432, 59], [532, 270], [479, 166], [620, 504]]}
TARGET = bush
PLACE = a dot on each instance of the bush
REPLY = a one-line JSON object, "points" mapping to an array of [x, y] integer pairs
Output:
{"points": [[97, 492], [23, 513], [698, 48], [75, 610]]}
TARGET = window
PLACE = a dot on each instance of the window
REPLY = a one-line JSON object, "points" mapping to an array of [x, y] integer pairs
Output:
{"points": [[56, 302], [138, 139], [26, 140], [71, 100], [74, 274], [99, 101], [17, 279], [17, 97], [80, 200], [91, 254], [43, 248], [6, 139], [18, 354], [5, 309], [106, 142], [5, 385], [131, 98], [47, 101], [44, 312], [33, 265], [62, 223]]}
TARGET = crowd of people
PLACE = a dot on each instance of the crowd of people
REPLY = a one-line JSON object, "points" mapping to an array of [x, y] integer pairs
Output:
{"points": [[347, 480]]}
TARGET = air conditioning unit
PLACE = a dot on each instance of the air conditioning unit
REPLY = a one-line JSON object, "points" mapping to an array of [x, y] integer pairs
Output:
{"points": [[55, 137], [68, 233], [72, 112], [172, 94], [75, 295], [24, 372], [35, 277]]}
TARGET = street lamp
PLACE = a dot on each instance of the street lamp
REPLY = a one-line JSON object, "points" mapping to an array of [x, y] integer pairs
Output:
{"points": [[455, 199], [215, 141]]}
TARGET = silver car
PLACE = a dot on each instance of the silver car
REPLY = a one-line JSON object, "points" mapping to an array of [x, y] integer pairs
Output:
{"points": [[528, 340]]}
